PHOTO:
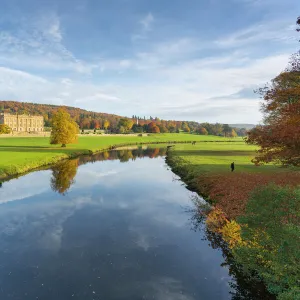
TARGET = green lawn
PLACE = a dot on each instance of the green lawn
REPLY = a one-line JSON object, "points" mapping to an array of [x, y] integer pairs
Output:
{"points": [[19, 155], [216, 158]]}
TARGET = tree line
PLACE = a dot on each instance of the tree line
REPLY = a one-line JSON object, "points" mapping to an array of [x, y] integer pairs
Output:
{"points": [[87, 120]]}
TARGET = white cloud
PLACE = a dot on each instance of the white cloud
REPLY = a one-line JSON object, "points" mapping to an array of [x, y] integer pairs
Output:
{"points": [[54, 29], [125, 63], [147, 21], [280, 31]]}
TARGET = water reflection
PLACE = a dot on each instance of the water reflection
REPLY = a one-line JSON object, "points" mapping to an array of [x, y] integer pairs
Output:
{"points": [[124, 155], [63, 173], [110, 230]]}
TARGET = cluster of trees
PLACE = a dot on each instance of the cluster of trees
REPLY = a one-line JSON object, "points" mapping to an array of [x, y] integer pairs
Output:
{"points": [[117, 124], [161, 126]]}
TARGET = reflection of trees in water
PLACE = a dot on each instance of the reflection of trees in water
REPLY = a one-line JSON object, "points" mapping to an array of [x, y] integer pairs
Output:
{"points": [[124, 155], [63, 175], [244, 286]]}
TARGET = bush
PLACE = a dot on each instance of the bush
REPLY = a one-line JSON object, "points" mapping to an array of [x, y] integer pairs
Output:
{"points": [[4, 129], [271, 232]]}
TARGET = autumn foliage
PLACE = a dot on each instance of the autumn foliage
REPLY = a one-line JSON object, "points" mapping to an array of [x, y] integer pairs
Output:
{"points": [[64, 129], [4, 129], [231, 191], [279, 138]]}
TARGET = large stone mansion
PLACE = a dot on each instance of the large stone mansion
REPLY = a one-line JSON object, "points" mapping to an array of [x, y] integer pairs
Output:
{"points": [[23, 123]]}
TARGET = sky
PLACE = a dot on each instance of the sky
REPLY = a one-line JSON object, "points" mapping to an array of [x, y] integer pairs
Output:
{"points": [[196, 60]]}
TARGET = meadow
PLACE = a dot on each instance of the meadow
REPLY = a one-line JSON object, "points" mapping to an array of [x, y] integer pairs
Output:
{"points": [[205, 168], [21, 154]]}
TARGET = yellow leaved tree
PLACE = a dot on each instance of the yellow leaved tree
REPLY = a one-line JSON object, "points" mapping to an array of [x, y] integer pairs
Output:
{"points": [[64, 129]]}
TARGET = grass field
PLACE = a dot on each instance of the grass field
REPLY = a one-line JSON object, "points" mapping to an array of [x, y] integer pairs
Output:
{"points": [[216, 157], [19, 155], [205, 168]]}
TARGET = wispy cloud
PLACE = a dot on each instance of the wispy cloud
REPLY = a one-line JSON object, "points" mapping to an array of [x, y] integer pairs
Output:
{"points": [[147, 21], [39, 45], [52, 27], [279, 31], [146, 26]]}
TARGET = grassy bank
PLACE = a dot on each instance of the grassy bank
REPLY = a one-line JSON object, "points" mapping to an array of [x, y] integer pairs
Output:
{"points": [[256, 209], [19, 155]]}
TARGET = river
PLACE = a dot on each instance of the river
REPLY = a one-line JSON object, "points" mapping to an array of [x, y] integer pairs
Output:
{"points": [[118, 225]]}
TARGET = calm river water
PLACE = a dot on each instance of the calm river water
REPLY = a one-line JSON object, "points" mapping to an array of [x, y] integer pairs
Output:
{"points": [[119, 225]]}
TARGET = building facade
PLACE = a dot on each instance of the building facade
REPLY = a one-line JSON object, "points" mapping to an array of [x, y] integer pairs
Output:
{"points": [[23, 123]]}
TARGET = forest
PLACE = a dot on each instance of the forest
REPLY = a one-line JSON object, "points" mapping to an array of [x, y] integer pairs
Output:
{"points": [[117, 124]]}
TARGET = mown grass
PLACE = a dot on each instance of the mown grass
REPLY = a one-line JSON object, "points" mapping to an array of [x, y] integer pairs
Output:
{"points": [[215, 158], [18, 155], [205, 168]]}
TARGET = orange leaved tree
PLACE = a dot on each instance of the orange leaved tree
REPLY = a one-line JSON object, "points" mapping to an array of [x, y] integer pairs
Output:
{"points": [[279, 138]]}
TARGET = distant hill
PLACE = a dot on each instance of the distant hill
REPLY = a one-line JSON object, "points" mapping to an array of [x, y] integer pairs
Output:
{"points": [[246, 126], [85, 119], [96, 120]]}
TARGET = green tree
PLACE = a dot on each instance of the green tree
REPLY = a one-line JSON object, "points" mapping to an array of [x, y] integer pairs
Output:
{"points": [[227, 130], [64, 129], [122, 129], [125, 123], [163, 129], [185, 127], [4, 129]]}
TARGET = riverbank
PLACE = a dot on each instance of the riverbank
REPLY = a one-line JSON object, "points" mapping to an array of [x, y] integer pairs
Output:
{"points": [[256, 209], [22, 154]]}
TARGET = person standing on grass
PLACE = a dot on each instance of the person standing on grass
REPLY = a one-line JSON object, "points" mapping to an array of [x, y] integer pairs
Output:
{"points": [[232, 167]]}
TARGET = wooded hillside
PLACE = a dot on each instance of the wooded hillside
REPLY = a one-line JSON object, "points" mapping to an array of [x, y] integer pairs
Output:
{"points": [[94, 120]]}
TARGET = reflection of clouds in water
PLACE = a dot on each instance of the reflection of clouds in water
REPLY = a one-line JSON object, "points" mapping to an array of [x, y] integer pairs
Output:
{"points": [[18, 189], [41, 219], [167, 288], [39, 222], [89, 177], [146, 170], [142, 240]]}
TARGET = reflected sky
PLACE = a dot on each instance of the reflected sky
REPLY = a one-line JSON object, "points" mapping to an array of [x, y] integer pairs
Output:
{"points": [[120, 231]]}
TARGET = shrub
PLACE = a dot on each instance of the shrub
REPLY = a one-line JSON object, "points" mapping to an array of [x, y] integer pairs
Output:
{"points": [[271, 231]]}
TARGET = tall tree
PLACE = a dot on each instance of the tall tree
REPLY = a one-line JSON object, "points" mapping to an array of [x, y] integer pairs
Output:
{"points": [[106, 124], [233, 133], [226, 130], [64, 129], [279, 138]]}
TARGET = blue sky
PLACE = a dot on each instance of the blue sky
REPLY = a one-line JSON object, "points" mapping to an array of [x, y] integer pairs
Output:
{"points": [[182, 59]]}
